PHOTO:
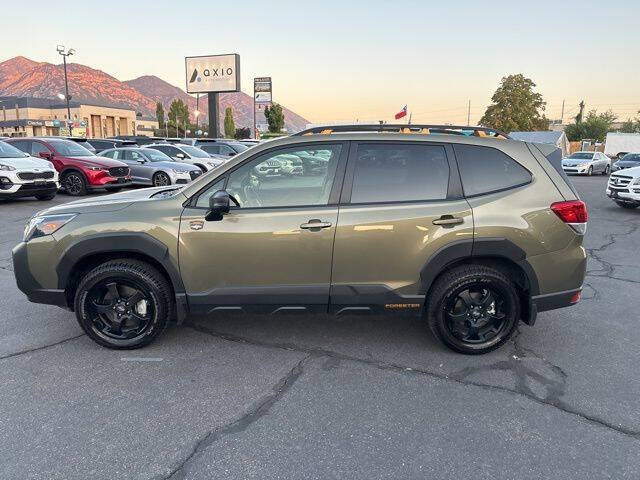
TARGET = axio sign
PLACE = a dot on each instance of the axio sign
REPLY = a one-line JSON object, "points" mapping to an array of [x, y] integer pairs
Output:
{"points": [[213, 73]]}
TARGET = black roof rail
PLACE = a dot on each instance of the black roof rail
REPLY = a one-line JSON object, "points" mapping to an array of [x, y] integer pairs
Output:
{"points": [[404, 128]]}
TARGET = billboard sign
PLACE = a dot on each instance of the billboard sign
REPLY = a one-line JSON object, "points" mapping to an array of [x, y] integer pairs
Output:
{"points": [[213, 73], [262, 97]]}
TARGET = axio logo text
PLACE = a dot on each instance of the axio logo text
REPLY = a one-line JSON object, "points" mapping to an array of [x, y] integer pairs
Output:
{"points": [[213, 72]]}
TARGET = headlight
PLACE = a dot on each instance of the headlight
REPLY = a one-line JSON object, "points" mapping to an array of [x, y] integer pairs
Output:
{"points": [[179, 172], [99, 169], [43, 225], [636, 181], [212, 164], [7, 168]]}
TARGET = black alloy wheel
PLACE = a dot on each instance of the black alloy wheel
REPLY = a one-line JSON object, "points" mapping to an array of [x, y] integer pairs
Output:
{"points": [[473, 309], [123, 304], [119, 309], [74, 184], [161, 179], [475, 314]]}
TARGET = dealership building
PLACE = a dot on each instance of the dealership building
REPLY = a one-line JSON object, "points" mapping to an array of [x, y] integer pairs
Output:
{"points": [[30, 116]]}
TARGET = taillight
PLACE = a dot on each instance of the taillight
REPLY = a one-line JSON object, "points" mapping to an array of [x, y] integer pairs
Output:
{"points": [[573, 213]]}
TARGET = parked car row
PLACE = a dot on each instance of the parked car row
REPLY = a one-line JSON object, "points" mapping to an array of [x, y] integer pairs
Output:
{"points": [[39, 166]]}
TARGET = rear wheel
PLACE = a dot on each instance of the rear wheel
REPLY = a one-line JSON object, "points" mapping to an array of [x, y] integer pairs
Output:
{"points": [[161, 179], [74, 183], [473, 309], [123, 304]]}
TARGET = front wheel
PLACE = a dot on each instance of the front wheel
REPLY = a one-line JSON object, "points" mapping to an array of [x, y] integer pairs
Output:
{"points": [[161, 179], [123, 304], [75, 184], [590, 171], [473, 309], [607, 169]]}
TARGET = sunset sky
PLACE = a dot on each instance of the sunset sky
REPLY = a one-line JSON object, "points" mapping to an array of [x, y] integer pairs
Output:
{"points": [[348, 60]]}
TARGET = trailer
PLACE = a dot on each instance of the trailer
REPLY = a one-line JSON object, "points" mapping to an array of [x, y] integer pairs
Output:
{"points": [[617, 144]]}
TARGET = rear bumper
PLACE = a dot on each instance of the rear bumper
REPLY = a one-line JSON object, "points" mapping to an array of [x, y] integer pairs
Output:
{"points": [[29, 285], [552, 301]]}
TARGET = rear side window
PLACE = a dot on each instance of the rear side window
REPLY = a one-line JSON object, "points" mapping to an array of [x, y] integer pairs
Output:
{"points": [[485, 170], [399, 173]]}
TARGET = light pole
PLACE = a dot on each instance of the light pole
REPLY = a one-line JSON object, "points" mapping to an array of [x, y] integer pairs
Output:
{"points": [[68, 53], [196, 113]]}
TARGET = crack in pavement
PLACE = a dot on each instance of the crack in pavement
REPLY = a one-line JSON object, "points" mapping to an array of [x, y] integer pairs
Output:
{"points": [[254, 414], [608, 268], [555, 388], [43, 347]]}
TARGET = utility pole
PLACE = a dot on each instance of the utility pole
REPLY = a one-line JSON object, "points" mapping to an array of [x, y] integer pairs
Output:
{"points": [[562, 114], [68, 53], [469, 113]]}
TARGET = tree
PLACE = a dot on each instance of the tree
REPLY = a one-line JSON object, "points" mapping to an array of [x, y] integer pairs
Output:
{"points": [[242, 133], [229, 125], [631, 126], [275, 117], [595, 126], [515, 106], [178, 114], [160, 114]]}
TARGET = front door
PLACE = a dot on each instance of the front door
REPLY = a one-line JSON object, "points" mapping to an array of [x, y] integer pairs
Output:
{"points": [[272, 252], [401, 203], [136, 162]]}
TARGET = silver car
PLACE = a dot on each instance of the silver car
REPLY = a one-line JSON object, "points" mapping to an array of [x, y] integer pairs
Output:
{"points": [[587, 163], [188, 154], [152, 167]]}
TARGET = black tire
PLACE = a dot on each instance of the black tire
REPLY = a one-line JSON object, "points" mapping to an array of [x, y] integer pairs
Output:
{"points": [[590, 171], [45, 196], [607, 169], [161, 179], [97, 303], [629, 206], [202, 167], [74, 183], [480, 324]]}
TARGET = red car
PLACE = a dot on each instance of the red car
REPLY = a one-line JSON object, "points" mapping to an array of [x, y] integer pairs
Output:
{"points": [[80, 170]]}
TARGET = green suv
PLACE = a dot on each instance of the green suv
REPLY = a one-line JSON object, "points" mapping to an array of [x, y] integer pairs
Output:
{"points": [[463, 226]]}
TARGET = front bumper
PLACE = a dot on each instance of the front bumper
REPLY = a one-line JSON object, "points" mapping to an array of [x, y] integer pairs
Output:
{"points": [[626, 194], [12, 186], [29, 285], [576, 170]]}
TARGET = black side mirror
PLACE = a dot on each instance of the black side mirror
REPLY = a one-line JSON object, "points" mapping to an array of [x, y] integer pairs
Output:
{"points": [[219, 204]]}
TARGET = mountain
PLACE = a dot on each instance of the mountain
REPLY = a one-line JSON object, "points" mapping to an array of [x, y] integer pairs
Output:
{"points": [[240, 103], [24, 77]]}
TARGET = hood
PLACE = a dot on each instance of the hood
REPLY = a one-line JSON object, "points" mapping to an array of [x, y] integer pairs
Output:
{"points": [[629, 172], [99, 161], [108, 203], [184, 167], [576, 161], [27, 163]]}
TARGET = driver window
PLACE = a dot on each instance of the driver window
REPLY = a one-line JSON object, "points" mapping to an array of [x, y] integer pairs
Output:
{"points": [[286, 178]]}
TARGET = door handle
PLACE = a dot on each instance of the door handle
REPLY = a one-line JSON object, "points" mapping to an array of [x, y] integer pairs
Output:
{"points": [[448, 220], [315, 224]]}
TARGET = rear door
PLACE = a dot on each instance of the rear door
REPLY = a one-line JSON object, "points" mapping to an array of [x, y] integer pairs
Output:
{"points": [[401, 202]]}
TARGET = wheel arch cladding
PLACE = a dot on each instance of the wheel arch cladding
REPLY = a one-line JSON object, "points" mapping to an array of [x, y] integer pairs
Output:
{"points": [[497, 252], [141, 245]]}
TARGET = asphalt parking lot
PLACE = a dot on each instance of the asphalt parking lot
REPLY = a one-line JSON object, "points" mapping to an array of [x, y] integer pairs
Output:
{"points": [[319, 398]]}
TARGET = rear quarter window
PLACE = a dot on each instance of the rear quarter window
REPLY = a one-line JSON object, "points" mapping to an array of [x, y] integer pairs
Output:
{"points": [[485, 170]]}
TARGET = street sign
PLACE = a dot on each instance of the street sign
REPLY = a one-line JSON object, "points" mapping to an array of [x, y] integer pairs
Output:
{"points": [[213, 73], [262, 97]]}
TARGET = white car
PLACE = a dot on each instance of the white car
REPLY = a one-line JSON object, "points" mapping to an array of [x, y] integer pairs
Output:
{"points": [[587, 163], [624, 187], [188, 154], [22, 175]]}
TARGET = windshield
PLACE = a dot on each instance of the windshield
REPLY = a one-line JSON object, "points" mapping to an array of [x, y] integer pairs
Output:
{"points": [[238, 147], [194, 152], [581, 156], [68, 148], [156, 155], [9, 151], [631, 157]]}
